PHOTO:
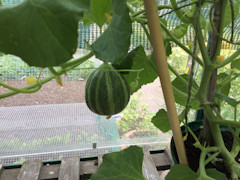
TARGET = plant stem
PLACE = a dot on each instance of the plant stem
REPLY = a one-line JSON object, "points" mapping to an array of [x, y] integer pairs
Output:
{"points": [[184, 81], [218, 139], [180, 14], [130, 9], [202, 169], [180, 7], [201, 94], [53, 71], [23, 90], [236, 145], [236, 142], [227, 156], [202, 47], [77, 61], [213, 156], [160, 7], [146, 32], [176, 41], [139, 20], [213, 119], [220, 9], [34, 85], [66, 66], [226, 122], [195, 137], [229, 59]]}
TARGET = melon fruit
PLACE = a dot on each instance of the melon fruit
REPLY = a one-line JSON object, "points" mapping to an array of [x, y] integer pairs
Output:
{"points": [[106, 92]]}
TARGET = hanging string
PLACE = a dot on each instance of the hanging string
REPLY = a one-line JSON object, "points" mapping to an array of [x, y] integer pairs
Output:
{"points": [[191, 75], [232, 12]]}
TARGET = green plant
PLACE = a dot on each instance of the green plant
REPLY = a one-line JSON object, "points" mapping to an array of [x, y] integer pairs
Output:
{"points": [[48, 141], [136, 116], [20, 161], [136, 66]]}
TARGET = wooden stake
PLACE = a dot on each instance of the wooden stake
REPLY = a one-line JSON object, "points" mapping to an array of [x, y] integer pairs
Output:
{"points": [[162, 66]]}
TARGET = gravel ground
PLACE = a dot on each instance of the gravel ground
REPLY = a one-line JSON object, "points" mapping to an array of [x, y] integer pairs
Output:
{"points": [[50, 93]]}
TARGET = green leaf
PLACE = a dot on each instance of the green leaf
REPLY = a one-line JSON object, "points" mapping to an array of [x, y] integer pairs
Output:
{"points": [[236, 168], [223, 88], [216, 174], [180, 30], [168, 47], [235, 64], [136, 3], [43, 33], [161, 121], [126, 164], [181, 172], [97, 12], [232, 102], [164, 34], [228, 13], [137, 60], [127, 62], [180, 91], [112, 45], [203, 22]]}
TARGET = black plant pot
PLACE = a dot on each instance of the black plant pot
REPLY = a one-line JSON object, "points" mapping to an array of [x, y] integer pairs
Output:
{"points": [[193, 126], [193, 153]]}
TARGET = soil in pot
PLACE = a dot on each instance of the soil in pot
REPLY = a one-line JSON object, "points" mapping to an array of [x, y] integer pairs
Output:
{"points": [[193, 153]]}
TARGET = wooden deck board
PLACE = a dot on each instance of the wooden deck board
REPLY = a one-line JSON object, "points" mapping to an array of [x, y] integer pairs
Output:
{"points": [[1, 169], [49, 171], [100, 159], [30, 171], [10, 174], [168, 155], [154, 167], [88, 167], [149, 168], [69, 169]]}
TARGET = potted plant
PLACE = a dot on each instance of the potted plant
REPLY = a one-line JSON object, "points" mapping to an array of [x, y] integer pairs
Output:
{"points": [[31, 41]]}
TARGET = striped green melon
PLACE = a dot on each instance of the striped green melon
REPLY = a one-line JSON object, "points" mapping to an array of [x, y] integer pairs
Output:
{"points": [[106, 92]]}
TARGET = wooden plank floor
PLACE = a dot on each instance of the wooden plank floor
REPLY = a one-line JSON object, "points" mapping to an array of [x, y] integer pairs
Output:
{"points": [[155, 167]]}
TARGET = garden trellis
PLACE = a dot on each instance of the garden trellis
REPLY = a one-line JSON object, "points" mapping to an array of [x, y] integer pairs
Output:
{"points": [[13, 68]]}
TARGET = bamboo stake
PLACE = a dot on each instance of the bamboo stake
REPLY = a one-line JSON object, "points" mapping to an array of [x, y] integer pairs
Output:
{"points": [[161, 62]]}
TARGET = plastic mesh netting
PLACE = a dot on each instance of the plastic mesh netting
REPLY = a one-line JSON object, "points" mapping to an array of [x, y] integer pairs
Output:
{"points": [[54, 131]]}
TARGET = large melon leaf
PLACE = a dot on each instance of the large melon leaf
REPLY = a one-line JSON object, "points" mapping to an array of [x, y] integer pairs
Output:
{"points": [[126, 164], [232, 102], [180, 31], [213, 173], [223, 88], [42, 32], [235, 64], [113, 44], [96, 14], [181, 172], [180, 91], [161, 121], [138, 60], [228, 13]]}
